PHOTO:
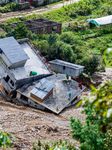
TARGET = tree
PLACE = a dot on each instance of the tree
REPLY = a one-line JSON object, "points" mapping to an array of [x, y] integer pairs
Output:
{"points": [[20, 31], [102, 104], [97, 132]]}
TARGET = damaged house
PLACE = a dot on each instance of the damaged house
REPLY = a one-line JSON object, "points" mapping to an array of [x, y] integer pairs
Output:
{"points": [[27, 76], [41, 26]]}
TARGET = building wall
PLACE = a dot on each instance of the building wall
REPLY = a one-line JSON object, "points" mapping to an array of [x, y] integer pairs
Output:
{"points": [[66, 70], [9, 64], [7, 84], [5, 59], [17, 65], [30, 102]]}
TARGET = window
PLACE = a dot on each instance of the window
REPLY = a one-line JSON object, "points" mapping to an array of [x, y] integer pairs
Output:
{"points": [[7, 78], [6, 92], [54, 28], [12, 83], [24, 98], [63, 67], [0, 50]]}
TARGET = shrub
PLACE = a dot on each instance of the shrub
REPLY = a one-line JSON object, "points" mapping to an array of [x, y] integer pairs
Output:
{"points": [[43, 46], [90, 64], [20, 31], [5, 139], [56, 145], [89, 135], [8, 7], [67, 37]]}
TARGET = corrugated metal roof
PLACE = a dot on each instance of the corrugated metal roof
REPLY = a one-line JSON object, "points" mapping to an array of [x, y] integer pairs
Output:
{"points": [[13, 50], [42, 88], [101, 21], [64, 63]]}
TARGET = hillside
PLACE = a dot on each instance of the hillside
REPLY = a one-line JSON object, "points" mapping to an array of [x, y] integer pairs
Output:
{"points": [[78, 43]]}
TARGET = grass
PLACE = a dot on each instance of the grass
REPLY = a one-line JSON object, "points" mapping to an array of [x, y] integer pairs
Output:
{"points": [[93, 41]]}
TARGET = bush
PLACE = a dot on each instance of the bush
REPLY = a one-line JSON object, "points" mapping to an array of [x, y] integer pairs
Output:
{"points": [[90, 64], [67, 37], [43, 46], [89, 135], [57, 145], [8, 7], [5, 139], [19, 32]]}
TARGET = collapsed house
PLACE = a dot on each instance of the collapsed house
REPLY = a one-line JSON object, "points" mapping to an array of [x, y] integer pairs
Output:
{"points": [[27, 76], [41, 26]]}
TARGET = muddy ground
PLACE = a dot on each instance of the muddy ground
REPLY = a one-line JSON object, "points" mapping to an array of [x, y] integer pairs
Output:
{"points": [[29, 124]]}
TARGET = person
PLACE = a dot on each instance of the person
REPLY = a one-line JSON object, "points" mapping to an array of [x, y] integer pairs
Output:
{"points": [[80, 85]]}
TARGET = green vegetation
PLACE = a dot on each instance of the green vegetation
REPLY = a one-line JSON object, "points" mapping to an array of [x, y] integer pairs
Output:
{"points": [[57, 145], [8, 7], [98, 126], [5, 140], [89, 135], [79, 43]]}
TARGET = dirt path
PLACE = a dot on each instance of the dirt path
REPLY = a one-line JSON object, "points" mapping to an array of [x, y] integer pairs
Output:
{"points": [[5, 16]]}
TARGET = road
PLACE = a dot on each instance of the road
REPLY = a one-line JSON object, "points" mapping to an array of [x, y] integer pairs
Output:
{"points": [[5, 16]]}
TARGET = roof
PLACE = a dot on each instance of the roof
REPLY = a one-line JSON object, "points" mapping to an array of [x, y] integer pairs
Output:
{"points": [[13, 50], [42, 88], [101, 21], [67, 64]]}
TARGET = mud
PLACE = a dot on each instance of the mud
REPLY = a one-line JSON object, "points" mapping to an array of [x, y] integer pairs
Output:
{"points": [[29, 124]]}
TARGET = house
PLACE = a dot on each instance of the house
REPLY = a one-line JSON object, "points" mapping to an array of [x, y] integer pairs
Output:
{"points": [[66, 67], [59, 91], [17, 61]]}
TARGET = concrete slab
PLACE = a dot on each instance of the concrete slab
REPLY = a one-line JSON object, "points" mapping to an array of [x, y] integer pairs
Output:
{"points": [[60, 97]]}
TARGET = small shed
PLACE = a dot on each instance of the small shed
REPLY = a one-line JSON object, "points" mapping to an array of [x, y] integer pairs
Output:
{"points": [[66, 67], [42, 90], [101, 21]]}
